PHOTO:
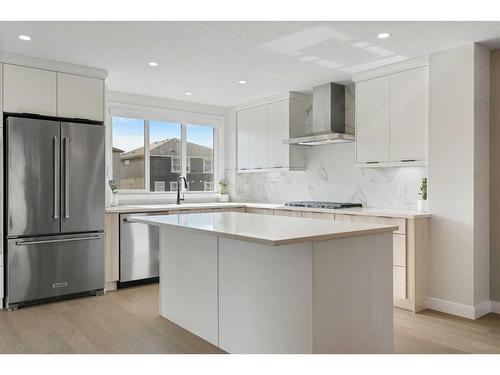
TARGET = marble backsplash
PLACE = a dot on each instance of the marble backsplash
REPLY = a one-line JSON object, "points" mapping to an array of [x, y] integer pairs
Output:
{"points": [[331, 175]]}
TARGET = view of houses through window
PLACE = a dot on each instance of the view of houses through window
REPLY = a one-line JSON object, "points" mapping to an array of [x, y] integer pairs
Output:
{"points": [[164, 153]]}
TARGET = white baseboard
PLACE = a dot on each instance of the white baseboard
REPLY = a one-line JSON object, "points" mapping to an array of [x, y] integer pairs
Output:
{"points": [[465, 311], [495, 307]]}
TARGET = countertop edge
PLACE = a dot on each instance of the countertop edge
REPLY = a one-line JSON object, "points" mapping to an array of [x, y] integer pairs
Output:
{"points": [[208, 205], [304, 239]]}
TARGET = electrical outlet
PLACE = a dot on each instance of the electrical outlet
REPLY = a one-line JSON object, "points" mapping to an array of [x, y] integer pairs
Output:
{"points": [[402, 189]]}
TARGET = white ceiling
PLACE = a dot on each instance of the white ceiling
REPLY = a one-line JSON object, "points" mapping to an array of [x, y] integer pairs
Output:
{"points": [[208, 58]]}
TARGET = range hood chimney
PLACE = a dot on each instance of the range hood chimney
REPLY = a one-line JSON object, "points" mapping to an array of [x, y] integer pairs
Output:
{"points": [[328, 117]]}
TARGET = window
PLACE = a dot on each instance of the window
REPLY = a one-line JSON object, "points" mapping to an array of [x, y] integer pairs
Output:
{"points": [[128, 153], [150, 155], [207, 165], [200, 153], [176, 165], [173, 186], [165, 155]]}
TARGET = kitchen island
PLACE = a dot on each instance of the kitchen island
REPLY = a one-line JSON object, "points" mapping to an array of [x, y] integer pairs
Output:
{"points": [[252, 283]]}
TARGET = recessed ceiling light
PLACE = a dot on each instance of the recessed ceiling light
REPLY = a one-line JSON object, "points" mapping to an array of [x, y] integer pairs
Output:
{"points": [[24, 37], [242, 82], [188, 93], [383, 35], [152, 63]]}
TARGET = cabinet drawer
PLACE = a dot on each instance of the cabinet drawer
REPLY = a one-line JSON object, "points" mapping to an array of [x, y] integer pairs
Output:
{"points": [[264, 211], [399, 280], [399, 249], [318, 215], [401, 223], [288, 213]]}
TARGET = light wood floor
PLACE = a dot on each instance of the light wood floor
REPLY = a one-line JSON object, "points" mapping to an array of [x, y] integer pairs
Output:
{"points": [[127, 321]]}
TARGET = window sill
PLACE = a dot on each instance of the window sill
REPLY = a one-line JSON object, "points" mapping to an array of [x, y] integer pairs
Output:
{"points": [[144, 192]]}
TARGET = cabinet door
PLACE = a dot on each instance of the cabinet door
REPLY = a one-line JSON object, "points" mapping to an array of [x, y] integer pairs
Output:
{"points": [[278, 131], [257, 119], [80, 97], [372, 120], [408, 115], [112, 252], [399, 282], [29, 90], [243, 140]]}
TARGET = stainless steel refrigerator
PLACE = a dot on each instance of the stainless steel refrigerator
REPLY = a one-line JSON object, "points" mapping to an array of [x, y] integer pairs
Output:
{"points": [[54, 216]]}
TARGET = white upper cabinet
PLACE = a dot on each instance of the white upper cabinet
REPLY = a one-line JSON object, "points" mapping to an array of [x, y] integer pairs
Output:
{"points": [[243, 141], [372, 120], [392, 115], [257, 119], [80, 97], [29, 90], [408, 119], [278, 130], [263, 126]]}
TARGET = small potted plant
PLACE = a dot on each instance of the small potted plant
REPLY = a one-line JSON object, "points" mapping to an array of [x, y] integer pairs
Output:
{"points": [[114, 189], [422, 202], [224, 191]]}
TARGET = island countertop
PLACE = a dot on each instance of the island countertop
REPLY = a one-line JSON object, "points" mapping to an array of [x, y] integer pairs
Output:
{"points": [[264, 229]]}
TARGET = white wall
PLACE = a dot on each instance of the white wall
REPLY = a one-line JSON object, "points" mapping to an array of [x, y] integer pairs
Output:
{"points": [[458, 177]]}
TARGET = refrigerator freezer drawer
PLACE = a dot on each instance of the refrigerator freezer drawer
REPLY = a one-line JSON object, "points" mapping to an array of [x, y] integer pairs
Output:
{"points": [[45, 267]]}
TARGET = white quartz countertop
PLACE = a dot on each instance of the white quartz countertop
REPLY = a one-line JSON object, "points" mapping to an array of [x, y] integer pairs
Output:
{"points": [[407, 214], [264, 229]]}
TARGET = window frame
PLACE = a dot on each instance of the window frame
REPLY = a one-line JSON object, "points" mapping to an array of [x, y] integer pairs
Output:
{"points": [[147, 114], [211, 165], [172, 165]]}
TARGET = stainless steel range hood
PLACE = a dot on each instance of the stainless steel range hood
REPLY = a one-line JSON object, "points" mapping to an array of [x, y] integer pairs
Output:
{"points": [[328, 117]]}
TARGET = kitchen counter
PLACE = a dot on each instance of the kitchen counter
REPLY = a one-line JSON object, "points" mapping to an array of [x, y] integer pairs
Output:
{"points": [[259, 283], [406, 214], [264, 229]]}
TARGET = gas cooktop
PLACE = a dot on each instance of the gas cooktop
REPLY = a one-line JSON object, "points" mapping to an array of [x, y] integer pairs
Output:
{"points": [[329, 205]]}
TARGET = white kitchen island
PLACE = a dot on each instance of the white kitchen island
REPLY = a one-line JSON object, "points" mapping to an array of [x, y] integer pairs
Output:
{"points": [[252, 283]]}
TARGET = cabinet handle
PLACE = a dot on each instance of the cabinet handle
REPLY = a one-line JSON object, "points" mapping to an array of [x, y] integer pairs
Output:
{"points": [[372, 162], [56, 178], [407, 160]]}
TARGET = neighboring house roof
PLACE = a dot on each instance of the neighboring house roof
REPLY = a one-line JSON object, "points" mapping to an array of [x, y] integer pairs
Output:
{"points": [[169, 147], [116, 149]]}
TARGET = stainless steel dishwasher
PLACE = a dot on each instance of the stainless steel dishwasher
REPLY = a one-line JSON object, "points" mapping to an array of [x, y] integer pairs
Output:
{"points": [[139, 251]]}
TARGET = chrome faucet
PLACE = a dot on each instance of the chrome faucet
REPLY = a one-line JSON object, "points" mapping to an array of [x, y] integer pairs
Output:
{"points": [[179, 199]]}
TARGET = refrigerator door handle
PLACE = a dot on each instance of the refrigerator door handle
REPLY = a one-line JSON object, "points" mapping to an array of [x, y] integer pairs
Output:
{"points": [[89, 238], [66, 176], [56, 177]]}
